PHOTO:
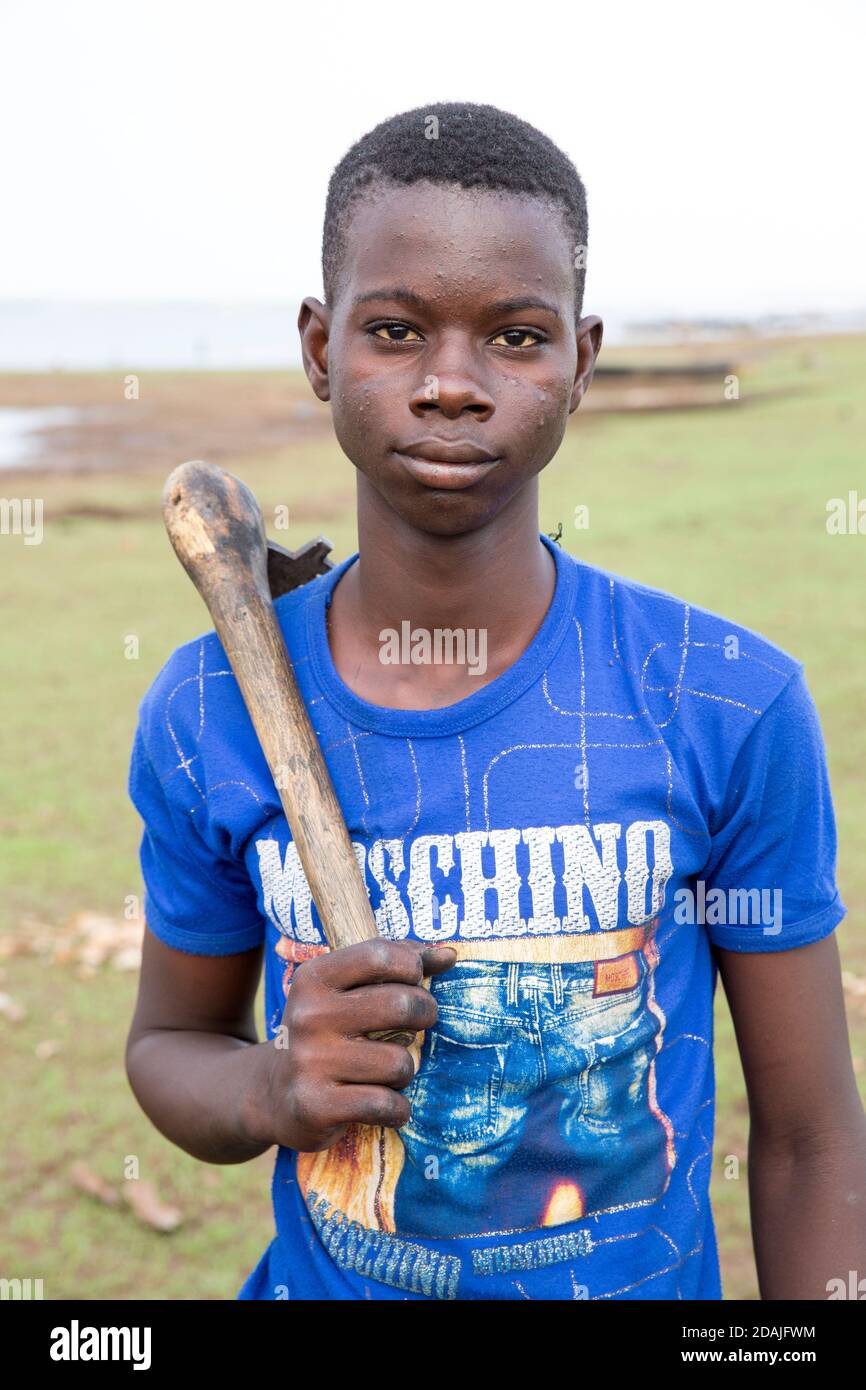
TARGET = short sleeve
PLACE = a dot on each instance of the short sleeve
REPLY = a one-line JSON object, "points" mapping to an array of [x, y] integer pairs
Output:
{"points": [[195, 900], [774, 839]]}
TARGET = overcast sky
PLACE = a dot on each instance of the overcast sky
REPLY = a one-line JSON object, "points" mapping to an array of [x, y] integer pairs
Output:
{"points": [[181, 150]]}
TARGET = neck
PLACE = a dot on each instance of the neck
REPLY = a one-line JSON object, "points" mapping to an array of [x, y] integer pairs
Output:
{"points": [[500, 578]]}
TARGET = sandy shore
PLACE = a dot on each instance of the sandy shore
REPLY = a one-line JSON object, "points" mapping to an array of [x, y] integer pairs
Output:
{"points": [[213, 415]]}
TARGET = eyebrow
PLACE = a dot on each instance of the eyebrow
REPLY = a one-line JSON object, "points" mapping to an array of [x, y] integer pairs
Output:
{"points": [[414, 301]]}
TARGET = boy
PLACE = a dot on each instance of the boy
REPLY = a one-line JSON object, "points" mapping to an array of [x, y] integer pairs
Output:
{"points": [[566, 840]]}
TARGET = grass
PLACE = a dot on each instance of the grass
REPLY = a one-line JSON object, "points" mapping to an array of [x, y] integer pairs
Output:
{"points": [[726, 507]]}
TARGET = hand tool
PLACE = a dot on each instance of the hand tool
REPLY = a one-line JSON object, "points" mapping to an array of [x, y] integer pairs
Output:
{"points": [[216, 528]]}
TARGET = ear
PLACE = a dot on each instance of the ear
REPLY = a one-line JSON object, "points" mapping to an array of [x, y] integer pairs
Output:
{"points": [[589, 334], [314, 326]]}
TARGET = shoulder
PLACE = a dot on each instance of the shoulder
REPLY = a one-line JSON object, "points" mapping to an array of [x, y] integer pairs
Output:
{"points": [[675, 647], [171, 710], [196, 688]]}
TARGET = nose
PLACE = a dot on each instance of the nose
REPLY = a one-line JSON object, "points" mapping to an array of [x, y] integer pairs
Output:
{"points": [[450, 384]]}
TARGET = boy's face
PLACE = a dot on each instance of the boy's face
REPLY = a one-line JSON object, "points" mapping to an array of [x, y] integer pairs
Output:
{"points": [[449, 390]]}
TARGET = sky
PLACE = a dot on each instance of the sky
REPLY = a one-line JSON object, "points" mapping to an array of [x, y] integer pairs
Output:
{"points": [[180, 150]]}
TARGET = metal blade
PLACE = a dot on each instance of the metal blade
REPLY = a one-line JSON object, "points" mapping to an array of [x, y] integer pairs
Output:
{"points": [[289, 569]]}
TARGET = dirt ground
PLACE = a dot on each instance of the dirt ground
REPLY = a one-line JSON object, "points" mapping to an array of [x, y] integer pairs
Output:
{"points": [[151, 420]]}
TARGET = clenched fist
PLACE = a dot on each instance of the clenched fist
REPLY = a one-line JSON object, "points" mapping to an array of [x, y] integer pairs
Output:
{"points": [[322, 1073]]}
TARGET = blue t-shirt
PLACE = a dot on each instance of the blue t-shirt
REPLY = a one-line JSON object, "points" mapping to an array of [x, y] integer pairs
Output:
{"points": [[648, 780]]}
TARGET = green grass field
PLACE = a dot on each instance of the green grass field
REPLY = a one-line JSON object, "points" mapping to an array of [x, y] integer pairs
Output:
{"points": [[725, 507]]}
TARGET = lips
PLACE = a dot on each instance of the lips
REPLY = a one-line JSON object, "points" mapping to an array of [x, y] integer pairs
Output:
{"points": [[448, 451], [449, 466]]}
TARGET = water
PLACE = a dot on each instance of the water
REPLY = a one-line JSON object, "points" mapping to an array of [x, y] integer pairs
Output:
{"points": [[41, 337], [19, 442]]}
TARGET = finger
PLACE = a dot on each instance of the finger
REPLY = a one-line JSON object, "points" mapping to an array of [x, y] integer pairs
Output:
{"points": [[366, 1105], [376, 1063], [373, 1008], [373, 962], [438, 958]]}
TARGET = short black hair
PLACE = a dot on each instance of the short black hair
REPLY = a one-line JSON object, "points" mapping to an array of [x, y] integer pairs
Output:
{"points": [[475, 146]]}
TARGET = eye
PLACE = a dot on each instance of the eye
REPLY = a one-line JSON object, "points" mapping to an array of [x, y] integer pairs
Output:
{"points": [[519, 333], [394, 332]]}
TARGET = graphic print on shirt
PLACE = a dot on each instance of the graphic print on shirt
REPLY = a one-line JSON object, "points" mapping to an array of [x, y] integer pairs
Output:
{"points": [[630, 706], [535, 1090]]}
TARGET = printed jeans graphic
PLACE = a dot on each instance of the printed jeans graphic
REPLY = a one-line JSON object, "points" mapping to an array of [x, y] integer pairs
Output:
{"points": [[533, 1096]]}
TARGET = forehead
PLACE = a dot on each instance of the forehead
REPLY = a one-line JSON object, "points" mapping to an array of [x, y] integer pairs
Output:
{"points": [[448, 242]]}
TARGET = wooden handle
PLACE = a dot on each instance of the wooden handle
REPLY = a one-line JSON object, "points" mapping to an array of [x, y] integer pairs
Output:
{"points": [[216, 528]]}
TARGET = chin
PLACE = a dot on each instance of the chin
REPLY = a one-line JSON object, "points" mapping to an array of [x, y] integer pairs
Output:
{"points": [[440, 511], [450, 515]]}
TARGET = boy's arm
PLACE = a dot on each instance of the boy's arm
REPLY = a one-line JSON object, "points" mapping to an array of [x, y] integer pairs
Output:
{"points": [[807, 1138], [200, 1074], [190, 1054]]}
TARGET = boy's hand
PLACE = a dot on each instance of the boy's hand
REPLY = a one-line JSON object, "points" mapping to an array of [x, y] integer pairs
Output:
{"points": [[321, 1073]]}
